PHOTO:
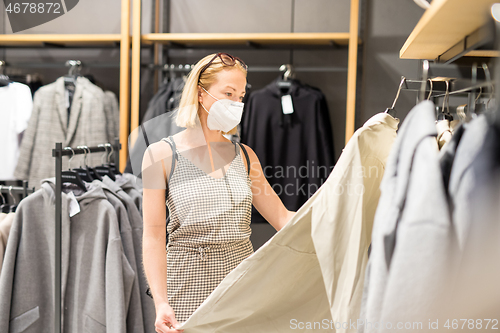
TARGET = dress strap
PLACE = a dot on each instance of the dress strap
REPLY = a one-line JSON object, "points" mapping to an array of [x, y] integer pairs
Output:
{"points": [[244, 152], [171, 142]]}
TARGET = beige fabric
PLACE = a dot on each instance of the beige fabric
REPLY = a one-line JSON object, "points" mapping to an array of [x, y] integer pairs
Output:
{"points": [[309, 276]]}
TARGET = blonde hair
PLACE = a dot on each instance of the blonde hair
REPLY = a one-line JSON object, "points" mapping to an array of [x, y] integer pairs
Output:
{"points": [[187, 115]]}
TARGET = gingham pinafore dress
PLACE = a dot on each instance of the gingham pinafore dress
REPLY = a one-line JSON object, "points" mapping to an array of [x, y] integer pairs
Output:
{"points": [[208, 232]]}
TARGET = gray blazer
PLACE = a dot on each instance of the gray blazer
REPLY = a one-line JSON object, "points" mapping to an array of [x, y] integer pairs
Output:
{"points": [[96, 277], [412, 238], [88, 125]]}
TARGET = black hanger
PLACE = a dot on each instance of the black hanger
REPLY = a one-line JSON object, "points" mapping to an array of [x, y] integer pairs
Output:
{"points": [[84, 172], [5, 207], [91, 171], [111, 165], [71, 176], [446, 115], [105, 169]]}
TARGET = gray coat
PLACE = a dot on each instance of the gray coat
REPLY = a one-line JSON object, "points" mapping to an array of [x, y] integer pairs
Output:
{"points": [[135, 218], [412, 236], [96, 277], [130, 187], [135, 321], [88, 125]]}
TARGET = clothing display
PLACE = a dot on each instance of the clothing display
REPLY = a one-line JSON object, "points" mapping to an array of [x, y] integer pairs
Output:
{"points": [[313, 267], [375, 221], [409, 241], [92, 113], [101, 226], [209, 229], [433, 240], [158, 122], [15, 111], [295, 149]]}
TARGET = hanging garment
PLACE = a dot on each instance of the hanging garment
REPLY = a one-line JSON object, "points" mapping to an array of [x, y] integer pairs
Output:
{"points": [[295, 149], [462, 177], [112, 112], [135, 219], [96, 279], [209, 229], [158, 122], [309, 275], [474, 197], [48, 125], [5, 225], [447, 155], [130, 187], [15, 111], [135, 320], [412, 238], [166, 99]]}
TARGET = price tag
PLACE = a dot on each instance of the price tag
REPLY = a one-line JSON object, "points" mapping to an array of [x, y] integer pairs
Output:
{"points": [[286, 104], [74, 207]]}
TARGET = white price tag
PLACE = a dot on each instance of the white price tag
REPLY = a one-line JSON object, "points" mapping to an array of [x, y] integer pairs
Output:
{"points": [[74, 207], [286, 104]]}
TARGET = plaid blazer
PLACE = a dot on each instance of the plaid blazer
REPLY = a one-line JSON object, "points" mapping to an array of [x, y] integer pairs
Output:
{"points": [[88, 124]]}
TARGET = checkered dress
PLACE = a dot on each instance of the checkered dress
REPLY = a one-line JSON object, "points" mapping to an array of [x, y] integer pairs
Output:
{"points": [[209, 230]]}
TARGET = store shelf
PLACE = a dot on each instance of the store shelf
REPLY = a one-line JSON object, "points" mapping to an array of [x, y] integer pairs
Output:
{"points": [[449, 29], [41, 40], [189, 39]]}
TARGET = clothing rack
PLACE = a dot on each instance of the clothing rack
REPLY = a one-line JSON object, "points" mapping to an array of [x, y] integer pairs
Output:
{"points": [[23, 190], [58, 153]]}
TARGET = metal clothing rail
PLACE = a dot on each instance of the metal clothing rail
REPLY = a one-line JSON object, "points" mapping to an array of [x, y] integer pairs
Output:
{"points": [[24, 190], [58, 153]]}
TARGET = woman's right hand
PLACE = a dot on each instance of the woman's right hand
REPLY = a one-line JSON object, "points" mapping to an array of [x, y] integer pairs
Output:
{"points": [[165, 320]]}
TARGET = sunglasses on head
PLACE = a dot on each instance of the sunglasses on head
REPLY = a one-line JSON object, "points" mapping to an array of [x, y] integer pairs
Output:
{"points": [[226, 59]]}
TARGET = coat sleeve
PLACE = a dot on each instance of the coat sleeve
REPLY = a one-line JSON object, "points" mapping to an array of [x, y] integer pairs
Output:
{"points": [[119, 281], [112, 114], [23, 167], [7, 276]]}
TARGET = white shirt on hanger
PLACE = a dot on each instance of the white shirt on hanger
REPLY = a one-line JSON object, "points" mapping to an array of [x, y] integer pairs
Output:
{"points": [[16, 105]]}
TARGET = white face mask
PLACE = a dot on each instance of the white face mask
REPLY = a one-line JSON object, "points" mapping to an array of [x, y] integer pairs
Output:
{"points": [[224, 114]]}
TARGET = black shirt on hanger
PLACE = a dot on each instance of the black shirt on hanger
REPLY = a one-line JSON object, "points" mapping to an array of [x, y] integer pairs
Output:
{"points": [[296, 149]]}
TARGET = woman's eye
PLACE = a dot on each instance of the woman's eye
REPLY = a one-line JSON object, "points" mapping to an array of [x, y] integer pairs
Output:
{"points": [[229, 94]]}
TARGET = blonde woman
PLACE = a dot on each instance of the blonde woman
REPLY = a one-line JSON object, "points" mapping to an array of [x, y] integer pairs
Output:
{"points": [[209, 184]]}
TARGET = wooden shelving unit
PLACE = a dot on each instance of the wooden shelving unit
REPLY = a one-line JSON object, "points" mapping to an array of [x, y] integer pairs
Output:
{"points": [[41, 40], [450, 29], [350, 39], [91, 40], [245, 38]]}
